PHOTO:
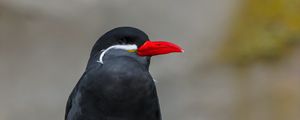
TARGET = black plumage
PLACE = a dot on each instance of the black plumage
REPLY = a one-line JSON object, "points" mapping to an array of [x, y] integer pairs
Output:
{"points": [[121, 88]]}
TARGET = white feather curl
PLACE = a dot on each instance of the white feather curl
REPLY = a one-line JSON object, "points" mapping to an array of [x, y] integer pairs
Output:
{"points": [[123, 47]]}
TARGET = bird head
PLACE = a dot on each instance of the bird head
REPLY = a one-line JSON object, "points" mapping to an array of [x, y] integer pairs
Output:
{"points": [[132, 40]]}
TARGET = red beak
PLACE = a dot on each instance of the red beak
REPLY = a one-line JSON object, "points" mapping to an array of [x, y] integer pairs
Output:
{"points": [[151, 48]]}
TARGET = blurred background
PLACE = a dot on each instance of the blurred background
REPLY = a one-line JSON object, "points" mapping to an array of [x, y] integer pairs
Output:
{"points": [[241, 60]]}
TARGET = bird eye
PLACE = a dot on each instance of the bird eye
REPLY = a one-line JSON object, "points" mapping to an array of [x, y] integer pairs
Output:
{"points": [[126, 40]]}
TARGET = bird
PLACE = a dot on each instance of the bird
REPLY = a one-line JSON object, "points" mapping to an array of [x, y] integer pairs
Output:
{"points": [[116, 83]]}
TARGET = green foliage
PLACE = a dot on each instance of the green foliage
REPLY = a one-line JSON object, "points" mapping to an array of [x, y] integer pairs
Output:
{"points": [[264, 31]]}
